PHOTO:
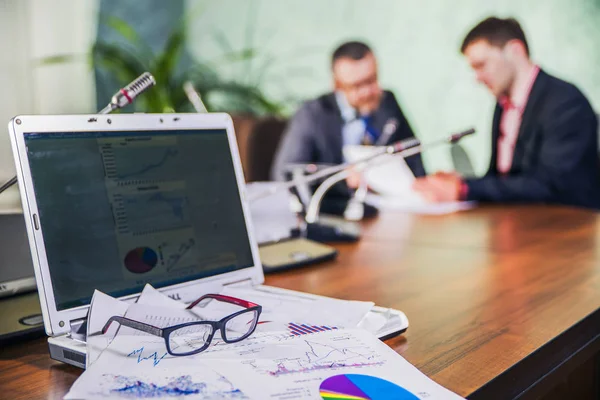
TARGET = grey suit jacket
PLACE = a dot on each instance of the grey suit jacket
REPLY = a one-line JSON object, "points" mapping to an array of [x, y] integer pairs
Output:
{"points": [[314, 135]]}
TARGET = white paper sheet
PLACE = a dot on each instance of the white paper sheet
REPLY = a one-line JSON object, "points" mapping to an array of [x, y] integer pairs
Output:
{"points": [[102, 307], [389, 175], [275, 367], [153, 297], [419, 207], [391, 179], [272, 217], [300, 315]]}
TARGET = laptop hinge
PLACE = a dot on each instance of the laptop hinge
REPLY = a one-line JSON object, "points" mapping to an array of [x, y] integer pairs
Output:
{"points": [[78, 329], [242, 282]]}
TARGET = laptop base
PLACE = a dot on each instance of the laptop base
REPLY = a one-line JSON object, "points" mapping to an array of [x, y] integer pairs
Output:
{"points": [[67, 350]]}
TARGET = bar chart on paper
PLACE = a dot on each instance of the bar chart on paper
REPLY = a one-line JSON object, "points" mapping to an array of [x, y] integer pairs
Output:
{"points": [[362, 387]]}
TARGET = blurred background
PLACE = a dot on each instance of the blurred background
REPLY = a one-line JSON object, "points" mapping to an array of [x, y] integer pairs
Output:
{"points": [[263, 57]]}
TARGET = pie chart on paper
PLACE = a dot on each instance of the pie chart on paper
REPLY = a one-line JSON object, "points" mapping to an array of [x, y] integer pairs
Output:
{"points": [[141, 260], [362, 387]]}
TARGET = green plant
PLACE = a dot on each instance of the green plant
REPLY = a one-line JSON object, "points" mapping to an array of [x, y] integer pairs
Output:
{"points": [[127, 59]]}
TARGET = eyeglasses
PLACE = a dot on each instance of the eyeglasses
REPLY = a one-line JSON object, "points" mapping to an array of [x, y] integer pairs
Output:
{"points": [[356, 86], [193, 337]]}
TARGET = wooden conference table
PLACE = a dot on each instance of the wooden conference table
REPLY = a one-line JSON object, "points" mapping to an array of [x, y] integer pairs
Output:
{"points": [[503, 302]]}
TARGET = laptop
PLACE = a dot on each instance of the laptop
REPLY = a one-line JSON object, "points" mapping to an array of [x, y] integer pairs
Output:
{"points": [[21, 315], [115, 202]]}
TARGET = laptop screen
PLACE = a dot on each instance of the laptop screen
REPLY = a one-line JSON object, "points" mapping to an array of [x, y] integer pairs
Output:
{"points": [[122, 209]]}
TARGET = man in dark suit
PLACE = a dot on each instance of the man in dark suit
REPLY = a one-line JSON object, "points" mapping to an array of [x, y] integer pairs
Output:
{"points": [[544, 132], [357, 112]]}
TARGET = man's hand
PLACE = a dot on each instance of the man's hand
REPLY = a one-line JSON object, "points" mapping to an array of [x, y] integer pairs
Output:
{"points": [[354, 178], [440, 187]]}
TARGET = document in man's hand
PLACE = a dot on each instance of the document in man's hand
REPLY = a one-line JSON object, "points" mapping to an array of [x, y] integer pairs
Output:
{"points": [[390, 180]]}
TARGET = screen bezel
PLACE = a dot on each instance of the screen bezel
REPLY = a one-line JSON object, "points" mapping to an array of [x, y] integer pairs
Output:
{"points": [[58, 322]]}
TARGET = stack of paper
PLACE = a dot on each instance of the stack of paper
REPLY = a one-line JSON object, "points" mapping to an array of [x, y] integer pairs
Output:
{"points": [[272, 217], [304, 360]]}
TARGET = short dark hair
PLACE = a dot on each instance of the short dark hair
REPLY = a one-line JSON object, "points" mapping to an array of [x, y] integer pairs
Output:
{"points": [[497, 32], [354, 50]]}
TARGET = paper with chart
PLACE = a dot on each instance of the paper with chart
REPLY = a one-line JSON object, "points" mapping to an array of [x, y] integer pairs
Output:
{"points": [[391, 179], [340, 364], [300, 314], [103, 306]]}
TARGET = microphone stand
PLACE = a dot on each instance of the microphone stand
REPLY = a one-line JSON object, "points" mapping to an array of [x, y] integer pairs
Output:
{"points": [[122, 98], [414, 146], [336, 229]]}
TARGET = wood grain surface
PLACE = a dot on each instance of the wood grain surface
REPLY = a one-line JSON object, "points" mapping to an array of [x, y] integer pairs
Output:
{"points": [[503, 302]]}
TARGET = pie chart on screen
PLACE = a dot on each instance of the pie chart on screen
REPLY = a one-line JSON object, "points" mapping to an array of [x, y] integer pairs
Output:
{"points": [[362, 387], [141, 260]]}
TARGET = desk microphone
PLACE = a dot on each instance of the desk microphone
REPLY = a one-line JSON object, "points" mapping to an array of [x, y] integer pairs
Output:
{"points": [[406, 148], [122, 98], [390, 127], [331, 230], [126, 95], [412, 143]]}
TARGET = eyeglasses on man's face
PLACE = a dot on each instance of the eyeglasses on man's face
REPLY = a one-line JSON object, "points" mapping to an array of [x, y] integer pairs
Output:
{"points": [[193, 337]]}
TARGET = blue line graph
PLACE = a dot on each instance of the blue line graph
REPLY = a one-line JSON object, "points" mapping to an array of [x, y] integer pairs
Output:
{"points": [[176, 203], [173, 259], [153, 357], [141, 162], [156, 211], [169, 153]]}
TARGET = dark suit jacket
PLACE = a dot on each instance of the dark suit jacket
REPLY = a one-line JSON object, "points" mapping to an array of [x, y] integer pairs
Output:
{"points": [[314, 134], [556, 154]]}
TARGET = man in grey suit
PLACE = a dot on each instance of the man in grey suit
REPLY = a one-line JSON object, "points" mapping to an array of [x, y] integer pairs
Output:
{"points": [[357, 112]]}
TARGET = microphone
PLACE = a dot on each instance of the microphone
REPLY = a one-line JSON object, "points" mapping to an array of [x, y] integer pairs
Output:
{"points": [[457, 136], [122, 98], [390, 127], [404, 146], [126, 95]]}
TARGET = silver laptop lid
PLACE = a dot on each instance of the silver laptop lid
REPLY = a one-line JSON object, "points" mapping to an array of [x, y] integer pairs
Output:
{"points": [[113, 203]]}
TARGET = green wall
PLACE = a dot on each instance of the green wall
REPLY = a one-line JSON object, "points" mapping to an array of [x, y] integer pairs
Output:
{"points": [[417, 43]]}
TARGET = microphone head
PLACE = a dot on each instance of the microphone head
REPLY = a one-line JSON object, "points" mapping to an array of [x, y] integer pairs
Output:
{"points": [[403, 145], [126, 95], [457, 136], [390, 127]]}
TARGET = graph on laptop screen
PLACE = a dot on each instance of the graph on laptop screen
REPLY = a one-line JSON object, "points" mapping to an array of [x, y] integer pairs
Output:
{"points": [[121, 209]]}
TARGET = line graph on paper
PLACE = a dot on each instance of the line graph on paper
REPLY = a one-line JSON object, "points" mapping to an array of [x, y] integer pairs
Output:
{"points": [[313, 355], [153, 357]]}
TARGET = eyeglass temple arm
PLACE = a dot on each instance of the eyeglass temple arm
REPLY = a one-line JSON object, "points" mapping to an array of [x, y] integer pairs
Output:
{"points": [[225, 299], [153, 330]]}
